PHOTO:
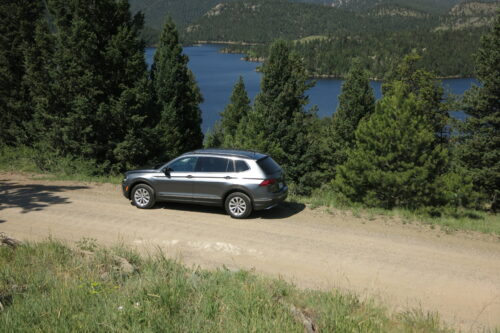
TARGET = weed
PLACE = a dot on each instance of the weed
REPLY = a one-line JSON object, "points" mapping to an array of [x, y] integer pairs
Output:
{"points": [[63, 291], [87, 244]]}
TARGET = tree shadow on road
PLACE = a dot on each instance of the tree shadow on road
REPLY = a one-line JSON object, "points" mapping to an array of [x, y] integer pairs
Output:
{"points": [[282, 211], [32, 197]]}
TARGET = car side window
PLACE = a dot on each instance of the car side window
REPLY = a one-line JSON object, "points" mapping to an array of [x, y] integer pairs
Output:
{"points": [[213, 164], [241, 166], [185, 164]]}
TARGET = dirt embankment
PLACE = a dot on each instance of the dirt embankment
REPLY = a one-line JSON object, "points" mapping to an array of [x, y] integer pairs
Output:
{"points": [[404, 266]]}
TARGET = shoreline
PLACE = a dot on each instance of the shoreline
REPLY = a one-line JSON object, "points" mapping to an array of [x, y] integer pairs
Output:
{"points": [[313, 76], [223, 43]]}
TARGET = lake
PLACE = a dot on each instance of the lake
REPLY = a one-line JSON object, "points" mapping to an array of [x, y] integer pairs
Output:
{"points": [[216, 74]]}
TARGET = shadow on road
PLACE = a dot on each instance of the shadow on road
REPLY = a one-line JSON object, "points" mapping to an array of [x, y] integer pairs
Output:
{"points": [[31, 197], [282, 211]]}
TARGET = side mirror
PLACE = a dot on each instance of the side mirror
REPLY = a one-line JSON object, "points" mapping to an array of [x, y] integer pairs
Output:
{"points": [[166, 171]]}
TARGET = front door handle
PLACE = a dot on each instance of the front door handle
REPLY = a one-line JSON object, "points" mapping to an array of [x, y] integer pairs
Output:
{"points": [[228, 177], [189, 176]]}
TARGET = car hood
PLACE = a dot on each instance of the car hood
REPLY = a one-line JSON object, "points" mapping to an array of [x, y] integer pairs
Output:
{"points": [[131, 172]]}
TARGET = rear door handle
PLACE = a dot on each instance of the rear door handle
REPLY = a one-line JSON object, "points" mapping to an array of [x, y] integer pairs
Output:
{"points": [[189, 176], [228, 177]]}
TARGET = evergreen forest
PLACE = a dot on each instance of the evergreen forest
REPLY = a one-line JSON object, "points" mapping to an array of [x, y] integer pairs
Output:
{"points": [[76, 91], [327, 38]]}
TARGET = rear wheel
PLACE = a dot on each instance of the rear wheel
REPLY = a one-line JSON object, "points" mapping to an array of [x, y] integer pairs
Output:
{"points": [[143, 196], [238, 205]]}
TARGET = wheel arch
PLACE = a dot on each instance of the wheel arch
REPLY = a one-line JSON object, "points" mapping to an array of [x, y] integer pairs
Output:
{"points": [[234, 190], [139, 182]]}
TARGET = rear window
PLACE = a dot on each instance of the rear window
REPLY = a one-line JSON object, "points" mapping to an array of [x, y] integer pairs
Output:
{"points": [[268, 165], [241, 166]]}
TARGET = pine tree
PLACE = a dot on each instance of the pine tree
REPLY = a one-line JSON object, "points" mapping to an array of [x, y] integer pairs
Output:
{"points": [[278, 123], [224, 132], [237, 109], [214, 137], [18, 22], [96, 103], [177, 97], [425, 87], [396, 161], [480, 152], [355, 102]]}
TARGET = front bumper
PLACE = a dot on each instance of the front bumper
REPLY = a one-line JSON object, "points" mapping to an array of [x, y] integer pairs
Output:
{"points": [[272, 200], [126, 190]]}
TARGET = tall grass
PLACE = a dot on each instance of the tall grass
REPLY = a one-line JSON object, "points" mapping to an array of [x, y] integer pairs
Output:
{"points": [[48, 287], [448, 218]]}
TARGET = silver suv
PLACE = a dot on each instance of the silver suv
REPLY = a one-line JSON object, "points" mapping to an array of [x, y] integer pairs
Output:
{"points": [[239, 180]]}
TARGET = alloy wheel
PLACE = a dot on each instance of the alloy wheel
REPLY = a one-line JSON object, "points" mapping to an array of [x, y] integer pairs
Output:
{"points": [[142, 197], [237, 206]]}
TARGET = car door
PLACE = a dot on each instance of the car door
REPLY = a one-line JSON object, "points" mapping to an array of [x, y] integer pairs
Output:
{"points": [[212, 179], [177, 183]]}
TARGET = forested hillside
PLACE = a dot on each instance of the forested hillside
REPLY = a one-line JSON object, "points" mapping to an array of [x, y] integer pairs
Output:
{"points": [[185, 12], [327, 37], [430, 6], [256, 21], [182, 12], [470, 15], [445, 53]]}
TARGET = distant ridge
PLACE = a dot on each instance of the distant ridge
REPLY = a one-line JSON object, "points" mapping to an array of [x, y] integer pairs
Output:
{"points": [[471, 14], [185, 12]]}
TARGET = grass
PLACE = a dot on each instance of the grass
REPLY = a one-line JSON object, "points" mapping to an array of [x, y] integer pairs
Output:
{"points": [[450, 219], [49, 287], [28, 160]]}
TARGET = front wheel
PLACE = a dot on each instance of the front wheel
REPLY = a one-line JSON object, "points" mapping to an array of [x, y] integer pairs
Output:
{"points": [[143, 196], [238, 205]]}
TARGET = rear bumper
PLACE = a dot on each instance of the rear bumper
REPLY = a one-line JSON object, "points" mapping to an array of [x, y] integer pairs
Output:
{"points": [[272, 200]]}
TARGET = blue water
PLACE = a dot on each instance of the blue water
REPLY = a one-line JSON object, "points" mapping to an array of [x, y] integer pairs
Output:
{"points": [[216, 74]]}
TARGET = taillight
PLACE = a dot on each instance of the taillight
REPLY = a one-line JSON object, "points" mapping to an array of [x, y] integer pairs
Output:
{"points": [[268, 182]]}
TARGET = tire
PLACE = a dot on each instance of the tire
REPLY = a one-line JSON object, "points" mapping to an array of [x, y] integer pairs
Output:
{"points": [[143, 196], [238, 205]]}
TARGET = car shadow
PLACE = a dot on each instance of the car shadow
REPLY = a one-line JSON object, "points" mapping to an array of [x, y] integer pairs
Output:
{"points": [[282, 211], [32, 197]]}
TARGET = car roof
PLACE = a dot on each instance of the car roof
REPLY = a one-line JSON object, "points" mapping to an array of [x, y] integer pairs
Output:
{"points": [[230, 152]]}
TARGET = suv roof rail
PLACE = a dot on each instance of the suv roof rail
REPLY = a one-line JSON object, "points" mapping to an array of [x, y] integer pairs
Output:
{"points": [[230, 152]]}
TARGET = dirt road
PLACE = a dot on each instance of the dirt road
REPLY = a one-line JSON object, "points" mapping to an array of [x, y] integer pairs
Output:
{"points": [[404, 266]]}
